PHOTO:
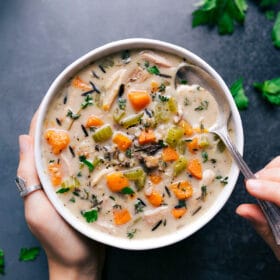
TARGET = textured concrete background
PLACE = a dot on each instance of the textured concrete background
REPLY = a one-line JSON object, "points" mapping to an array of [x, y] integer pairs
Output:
{"points": [[39, 38]]}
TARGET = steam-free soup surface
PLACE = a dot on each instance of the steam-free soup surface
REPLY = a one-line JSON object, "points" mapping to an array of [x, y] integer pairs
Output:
{"points": [[129, 154]]}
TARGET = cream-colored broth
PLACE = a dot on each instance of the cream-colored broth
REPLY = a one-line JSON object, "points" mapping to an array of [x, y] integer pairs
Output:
{"points": [[92, 191]]}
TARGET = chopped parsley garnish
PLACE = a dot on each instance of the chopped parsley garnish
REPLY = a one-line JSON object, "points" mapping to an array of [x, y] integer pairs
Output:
{"points": [[2, 262], [72, 199], [203, 106], [138, 207], [183, 82], [162, 87], [204, 155], [90, 216], [222, 180], [270, 89], [238, 93], [130, 234], [163, 98], [72, 115], [153, 70], [221, 13], [128, 153], [87, 163], [88, 101], [122, 103], [29, 254], [125, 56], [127, 190], [186, 101], [63, 190], [181, 204], [276, 31]]}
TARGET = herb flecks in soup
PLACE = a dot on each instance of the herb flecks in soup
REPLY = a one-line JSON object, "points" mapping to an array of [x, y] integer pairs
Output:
{"points": [[128, 153]]}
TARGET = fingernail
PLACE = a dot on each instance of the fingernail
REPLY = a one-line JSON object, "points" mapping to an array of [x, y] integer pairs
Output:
{"points": [[254, 185], [24, 144]]}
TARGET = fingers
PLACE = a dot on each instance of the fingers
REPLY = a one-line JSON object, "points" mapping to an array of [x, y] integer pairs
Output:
{"points": [[33, 124], [264, 190], [274, 163], [254, 214], [270, 174], [26, 168]]}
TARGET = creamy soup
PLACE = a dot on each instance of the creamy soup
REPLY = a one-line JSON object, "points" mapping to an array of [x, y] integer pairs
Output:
{"points": [[130, 154]]}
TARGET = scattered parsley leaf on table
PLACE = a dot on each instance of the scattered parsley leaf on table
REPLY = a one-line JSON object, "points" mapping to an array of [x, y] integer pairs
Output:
{"points": [[29, 254], [276, 32], [2, 262], [223, 13], [239, 96], [270, 90]]}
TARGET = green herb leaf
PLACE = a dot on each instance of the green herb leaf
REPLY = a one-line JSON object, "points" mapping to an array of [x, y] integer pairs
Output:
{"points": [[63, 190], [128, 153], [127, 190], [131, 233], [29, 254], [88, 101], [221, 13], [268, 3], [270, 90], [162, 87], [153, 70], [122, 103], [72, 115], [91, 215], [87, 163], [203, 106], [203, 192], [204, 155], [2, 262], [163, 98], [238, 93], [276, 32]]}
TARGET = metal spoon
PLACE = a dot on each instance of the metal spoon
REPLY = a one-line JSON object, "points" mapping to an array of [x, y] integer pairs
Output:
{"points": [[195, 75]]}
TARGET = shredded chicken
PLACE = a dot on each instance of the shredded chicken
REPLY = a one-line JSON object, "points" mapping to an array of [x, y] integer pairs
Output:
{"points": [[155, 58], [155, 215]]}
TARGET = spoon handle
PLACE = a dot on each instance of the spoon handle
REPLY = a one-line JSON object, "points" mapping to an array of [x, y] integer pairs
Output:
{"points": [[270, 210]]}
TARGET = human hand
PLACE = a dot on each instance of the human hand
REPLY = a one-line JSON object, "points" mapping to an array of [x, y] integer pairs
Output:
{"points": [[265, 187], [70, 254]]}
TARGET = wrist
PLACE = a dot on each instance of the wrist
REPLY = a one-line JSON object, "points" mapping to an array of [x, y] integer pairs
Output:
{"points": [[59, 271]]}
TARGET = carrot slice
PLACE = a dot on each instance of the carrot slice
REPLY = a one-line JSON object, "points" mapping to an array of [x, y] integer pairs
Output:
{"points": [[121, 216], [193, 146], [146, 137], [195, 168], [155, 178], [182, 189], [178, 212], [123, 142], [77, 82], [116, 181], [93, 121], [169, 154], [55, 173], [154, 86], [57, 139], [188, 130], [155, 198], [139, 99]]}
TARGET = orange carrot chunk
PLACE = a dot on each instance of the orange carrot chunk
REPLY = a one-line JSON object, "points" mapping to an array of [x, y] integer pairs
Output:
{"points": [[57, 139], [121, 216], [155, 178], [55, 173], [77, 82], [139, 99], [146, 137], [178, 212], [123, 142], [188, 130], [116, 181], [93, 121], [195, 168], [193, 146], [182, 189], [154, 86], [169, 154], [155, 198]]}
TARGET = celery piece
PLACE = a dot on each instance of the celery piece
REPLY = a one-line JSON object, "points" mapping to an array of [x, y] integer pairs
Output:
{"points": [[134, 174], [179, 166], [118, 115], [181, 147], [174, 134], [103, 133], [140, 183], [131, 120], [162, 113], [172, 105], [204, 142]]}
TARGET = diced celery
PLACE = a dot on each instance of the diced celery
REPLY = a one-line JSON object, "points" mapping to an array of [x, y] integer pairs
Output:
{"points": [[181, 147], [118, 115], [172, 105], [134, 174], [103, 133], [162, 113], [179, 166], [174, 134], [204, 142], [131, 120], [140, 183]]}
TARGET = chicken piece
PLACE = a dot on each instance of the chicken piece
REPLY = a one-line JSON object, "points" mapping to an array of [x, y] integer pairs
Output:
{"points": [[151, 161], [156, 59], [85, 148], [106, 227], [138, 74], [208, 177], [153, 216], [67, 168], [112, 88], [99, 175]]}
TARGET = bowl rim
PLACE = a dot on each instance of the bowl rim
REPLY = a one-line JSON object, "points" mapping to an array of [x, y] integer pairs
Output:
{"points": [[119, 242]]}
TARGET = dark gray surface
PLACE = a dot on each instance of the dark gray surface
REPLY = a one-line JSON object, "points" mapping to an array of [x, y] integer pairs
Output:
{"points": [[39, 38]]}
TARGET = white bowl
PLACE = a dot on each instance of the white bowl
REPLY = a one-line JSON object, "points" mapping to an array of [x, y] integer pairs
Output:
{"points": [[137, 244]]}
